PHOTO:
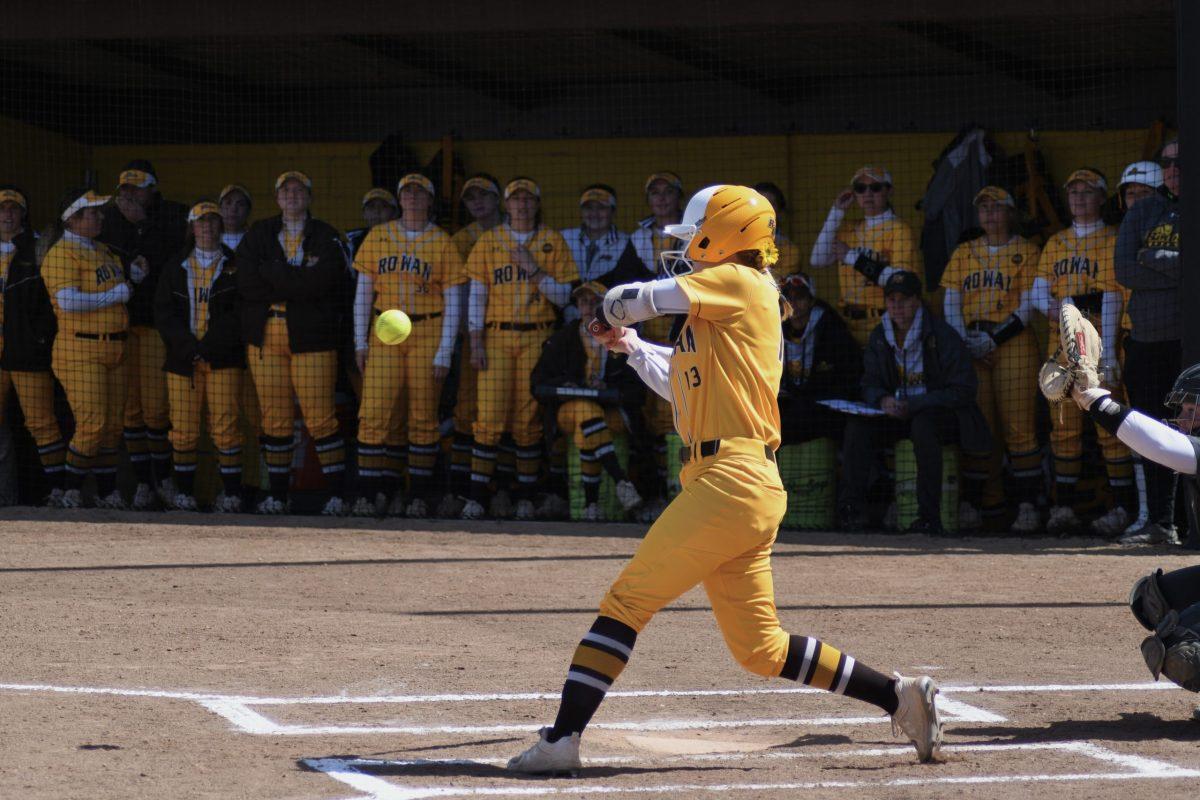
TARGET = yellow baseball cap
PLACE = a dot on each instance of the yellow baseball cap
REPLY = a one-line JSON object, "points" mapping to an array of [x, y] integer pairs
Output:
{"points": [[480, 183], [202, 209], [1088, 176], [595, 287], [522, 185], [88, 199], [598, 195], [416, 179], [13, 196], [136, 177], [670, 177], [874, 172], [293, 175], [994, 193], [230, 188], [379, 194]]}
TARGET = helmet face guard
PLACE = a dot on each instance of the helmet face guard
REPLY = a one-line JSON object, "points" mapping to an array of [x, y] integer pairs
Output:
{"points": [[1185, 406], [675, 263]]}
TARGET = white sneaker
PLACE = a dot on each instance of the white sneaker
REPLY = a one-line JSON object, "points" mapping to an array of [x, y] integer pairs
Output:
{"points": [[397, 506], [651, 510], [113, 500], [1151, 533], [549, 758], [524, 510], [553, 507], [143, 498], [417, 509], [71, 498], [54, 499], [450, 507], [1111, 524], [1027, 520], [627, 495], [592, 512], [501, 505], [335, 507], [166, 491], [917, 715], [362, 508], [184, 502], [269, 505], [227, 504], [891, 517], [472, 510], [968, 517], [1062, 520]]}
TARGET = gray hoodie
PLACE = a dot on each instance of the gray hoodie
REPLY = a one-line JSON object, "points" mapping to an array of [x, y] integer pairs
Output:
{"points": [[1147, 262]]}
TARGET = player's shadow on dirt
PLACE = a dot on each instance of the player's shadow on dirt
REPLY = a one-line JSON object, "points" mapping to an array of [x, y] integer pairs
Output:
{"points": [[473, 769], [1138, 726]]}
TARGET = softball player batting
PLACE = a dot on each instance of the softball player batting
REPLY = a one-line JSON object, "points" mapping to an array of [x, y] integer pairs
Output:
{"points": [[1077, 265], [26, 333], [195, 309], [988, 283], [88, 290], [521, 272], [410, 264], [722, 377], [289, 269]]}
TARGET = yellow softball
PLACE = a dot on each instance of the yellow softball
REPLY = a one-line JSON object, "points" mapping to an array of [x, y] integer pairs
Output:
{"points": [[393, 326]]}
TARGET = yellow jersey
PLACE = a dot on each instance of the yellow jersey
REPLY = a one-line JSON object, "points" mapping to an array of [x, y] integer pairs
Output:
{"points": [[466, 238], [1074, 265], [409, 272], [890, 242], [991, 279], [512, 297], [728, 359], [6, 258], [90, 267]]}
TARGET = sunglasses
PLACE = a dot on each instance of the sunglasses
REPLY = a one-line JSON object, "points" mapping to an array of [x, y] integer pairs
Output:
{"points": [[1166, 162], [875, 188], [794, 282]]}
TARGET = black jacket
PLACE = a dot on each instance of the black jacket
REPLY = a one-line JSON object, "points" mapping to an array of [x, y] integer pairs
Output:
{"points": [[222, 344], [311, 291], [563, 362], [837, 361], [950, 380], [158, 237], [29, 323]]}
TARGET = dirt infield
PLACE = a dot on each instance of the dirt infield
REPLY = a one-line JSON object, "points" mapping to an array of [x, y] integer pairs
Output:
{"points": [[154, 656]]}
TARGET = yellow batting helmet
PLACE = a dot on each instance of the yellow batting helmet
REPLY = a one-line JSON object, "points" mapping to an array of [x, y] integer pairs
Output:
{"points": [[719, 222]]}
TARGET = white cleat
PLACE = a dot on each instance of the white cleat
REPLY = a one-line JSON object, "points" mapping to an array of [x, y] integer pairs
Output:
{"points": [[553, 507], [651, 510], [144, 498], [500, 506], [549, 758], [917, 715], [417, 509], [71, 498], [54, 499], [1111, 524], [184, 502], [524, 510], [968, 517], [362, 508], [1027, 520], [450, 507], [592, 512], [627, 495], [335, 507], [1062, 520], [269, 505], [112, 500], [167, 490], [397, 507], [227, 504], [472, 510]]}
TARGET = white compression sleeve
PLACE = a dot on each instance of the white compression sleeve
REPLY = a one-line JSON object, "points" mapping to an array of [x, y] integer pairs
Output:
{"points": [[364, 302], [631, 303], [652, 363], [1110, 321], [1158, 442], [451, 318], [952, 309], [477, 306], [822, 251], [71, 299], [1040, 297], [1025, 308], [555, 292]]}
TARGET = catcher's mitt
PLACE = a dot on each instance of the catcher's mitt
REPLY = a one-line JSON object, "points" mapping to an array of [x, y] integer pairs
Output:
{"points": [[1075, 364]]}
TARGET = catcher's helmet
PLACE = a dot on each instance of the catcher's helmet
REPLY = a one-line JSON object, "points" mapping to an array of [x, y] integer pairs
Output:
{"points": [[718, 222], [1185, 391]]}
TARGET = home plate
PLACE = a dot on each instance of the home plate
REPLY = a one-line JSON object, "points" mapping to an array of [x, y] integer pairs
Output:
{"points": [[668, 745]]}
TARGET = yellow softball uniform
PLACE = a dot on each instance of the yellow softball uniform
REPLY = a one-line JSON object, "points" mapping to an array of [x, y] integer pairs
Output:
{"points": [[889, 241]]}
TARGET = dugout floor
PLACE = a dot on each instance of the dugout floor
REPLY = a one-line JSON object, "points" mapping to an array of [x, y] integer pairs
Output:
{"points": [[177, 656]]}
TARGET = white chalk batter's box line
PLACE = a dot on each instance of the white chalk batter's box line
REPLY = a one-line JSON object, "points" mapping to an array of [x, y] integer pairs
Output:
{"points": [[356, 773]]}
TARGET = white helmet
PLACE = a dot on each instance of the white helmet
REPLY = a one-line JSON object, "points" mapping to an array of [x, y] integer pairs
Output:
{"points": [[1144, 172], [718, 222]]}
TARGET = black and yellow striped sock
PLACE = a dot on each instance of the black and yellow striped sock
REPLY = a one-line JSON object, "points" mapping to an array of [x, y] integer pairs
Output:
{"points": [[598, 661], [822, 666], [137, 445]]}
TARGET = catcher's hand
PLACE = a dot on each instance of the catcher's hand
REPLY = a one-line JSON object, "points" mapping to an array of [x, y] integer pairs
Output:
{"points": [[1075, 365]]}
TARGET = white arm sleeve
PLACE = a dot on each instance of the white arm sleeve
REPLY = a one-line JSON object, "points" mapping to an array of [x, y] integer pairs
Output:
{"points": [[71, 299], [952, 308], [451, 318], [1025, 307], [1041, 296], [1110, 321], [631, 303], [1158, 442], [477, 306], [652, 363], [822, 251], [555, 292], [364, 301]]}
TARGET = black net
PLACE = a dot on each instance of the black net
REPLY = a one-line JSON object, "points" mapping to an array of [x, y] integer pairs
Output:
{"points": [[209, 374]]}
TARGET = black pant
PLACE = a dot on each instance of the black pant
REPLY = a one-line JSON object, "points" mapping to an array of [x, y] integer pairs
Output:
{"points": [[928, 430], [803, 421], [1150, 371], [1181, 587]]}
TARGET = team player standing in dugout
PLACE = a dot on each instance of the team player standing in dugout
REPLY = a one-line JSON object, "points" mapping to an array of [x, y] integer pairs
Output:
{"points": [[722, 377]]}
